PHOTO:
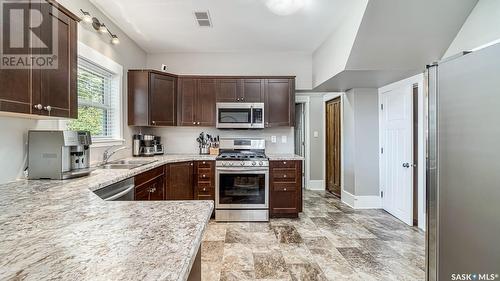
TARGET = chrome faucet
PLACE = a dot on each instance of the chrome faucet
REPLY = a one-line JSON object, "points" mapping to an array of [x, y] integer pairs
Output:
{"points": [[107, 155]]}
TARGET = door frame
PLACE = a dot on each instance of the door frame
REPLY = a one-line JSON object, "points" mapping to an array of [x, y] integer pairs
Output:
{"points": [[307, 160], [422, 127], [326, 98]]}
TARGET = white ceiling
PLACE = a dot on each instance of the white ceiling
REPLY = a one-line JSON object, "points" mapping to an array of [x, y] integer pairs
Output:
{"points": [[238, 25]]}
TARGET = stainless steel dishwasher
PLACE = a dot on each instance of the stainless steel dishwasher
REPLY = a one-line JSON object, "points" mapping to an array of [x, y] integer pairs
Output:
{"points": [[120, 191]]}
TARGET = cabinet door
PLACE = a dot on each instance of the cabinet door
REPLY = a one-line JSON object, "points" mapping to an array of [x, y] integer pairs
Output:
{"points": [[157, 188], [187, 101], [141, 193], [180, 181], [162, 100], [228, 90], [58, 92], [279, 102], [252, 90], [205, 103], [15, 94]]}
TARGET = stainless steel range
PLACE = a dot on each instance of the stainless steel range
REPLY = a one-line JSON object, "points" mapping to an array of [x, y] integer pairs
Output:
{"points": [[242, 181]]}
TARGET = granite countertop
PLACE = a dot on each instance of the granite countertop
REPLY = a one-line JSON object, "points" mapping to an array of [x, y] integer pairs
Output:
{"points": [[62, 230], [279, 157]]}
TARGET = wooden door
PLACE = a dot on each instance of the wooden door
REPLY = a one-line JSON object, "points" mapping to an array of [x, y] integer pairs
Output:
{"points": [[252, 90], [227, 90], [396, 171], [333, 146], [279, 100], [58, 93], [187, 101], [162, 100], [205, 103], [180, 181]]}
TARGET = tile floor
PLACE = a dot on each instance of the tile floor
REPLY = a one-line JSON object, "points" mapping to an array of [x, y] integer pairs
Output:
{"points": [[330, 241]]}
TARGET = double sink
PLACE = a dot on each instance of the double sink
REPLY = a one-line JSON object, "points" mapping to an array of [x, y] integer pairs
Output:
{"points": [[125, 164]]}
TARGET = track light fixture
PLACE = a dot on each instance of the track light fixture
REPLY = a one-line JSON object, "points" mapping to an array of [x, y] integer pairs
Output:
{"points": [[99, 26]]}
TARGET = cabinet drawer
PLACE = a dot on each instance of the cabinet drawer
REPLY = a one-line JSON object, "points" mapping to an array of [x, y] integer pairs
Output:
{"points": [[204, 174], [205, 197], [283, 164], [204, 164], [205, 190], [284, 187], [149, 175], [284, 175]]}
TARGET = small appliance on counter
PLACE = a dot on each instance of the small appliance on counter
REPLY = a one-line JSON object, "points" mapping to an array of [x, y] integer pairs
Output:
{"points": [[58, 154], [146, 145]]}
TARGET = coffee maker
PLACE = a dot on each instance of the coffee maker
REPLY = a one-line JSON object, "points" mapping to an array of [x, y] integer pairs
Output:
{"points": [[58, 154], [146, 145]]}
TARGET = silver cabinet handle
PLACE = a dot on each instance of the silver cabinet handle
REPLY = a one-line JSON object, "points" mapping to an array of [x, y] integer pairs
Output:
{"points": [[204, 176], [204, 162], [284, 189], [191, 164], [153, 122], [198, 123], [48, 108], [238, 99], [242, 98], [204, 189], [284, 162], [284, 176], [38, 106], [194, 123]]}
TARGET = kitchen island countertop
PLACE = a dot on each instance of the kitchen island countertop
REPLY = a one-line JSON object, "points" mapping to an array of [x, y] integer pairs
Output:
{"points": [[61, 230]]}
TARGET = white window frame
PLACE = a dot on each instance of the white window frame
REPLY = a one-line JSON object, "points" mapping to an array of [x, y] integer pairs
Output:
{"points": [[116, 69]]}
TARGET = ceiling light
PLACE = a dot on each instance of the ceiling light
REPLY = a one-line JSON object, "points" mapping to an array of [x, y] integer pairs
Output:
{"points": [[86, 16], [114, 40], [285, 7], [103, 28]]}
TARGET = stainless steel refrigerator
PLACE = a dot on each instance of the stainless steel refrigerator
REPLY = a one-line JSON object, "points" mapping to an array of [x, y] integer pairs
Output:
{"points": [[463, 167]]}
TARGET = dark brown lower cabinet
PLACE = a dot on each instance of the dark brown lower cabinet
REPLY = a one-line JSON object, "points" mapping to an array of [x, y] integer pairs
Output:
{"points": [[150, 185], [204, 187], [179, 185], [285, 188]]}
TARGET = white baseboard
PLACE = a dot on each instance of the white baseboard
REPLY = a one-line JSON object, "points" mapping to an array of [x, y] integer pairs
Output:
{"points": [[316, 185], [347, 198], [361, 202], [368, 202]]}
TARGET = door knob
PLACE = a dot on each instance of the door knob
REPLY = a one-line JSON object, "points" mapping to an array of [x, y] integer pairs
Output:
{"points": [[38, 106]]}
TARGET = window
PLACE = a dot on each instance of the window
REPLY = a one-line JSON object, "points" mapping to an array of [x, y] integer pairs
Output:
{"points": [[99, 91]]}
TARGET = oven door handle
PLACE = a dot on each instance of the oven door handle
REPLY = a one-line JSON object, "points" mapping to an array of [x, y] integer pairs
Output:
{"points": [[251, 116], [243, 169]]}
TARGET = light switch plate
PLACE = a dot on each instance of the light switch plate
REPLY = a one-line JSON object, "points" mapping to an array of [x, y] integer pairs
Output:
{"points": [[273, 139], [283, 139], [316, 134]]}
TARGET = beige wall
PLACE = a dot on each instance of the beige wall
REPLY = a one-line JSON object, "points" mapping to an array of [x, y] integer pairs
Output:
{"points": [[13, 147], [293, 63], [481, 27], [316, 124]]}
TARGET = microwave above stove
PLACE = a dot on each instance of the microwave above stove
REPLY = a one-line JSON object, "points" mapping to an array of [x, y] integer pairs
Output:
{"points": [[240, 115]]}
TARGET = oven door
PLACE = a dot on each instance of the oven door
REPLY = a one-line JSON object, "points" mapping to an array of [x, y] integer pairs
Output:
{"points": [[242, 188], [240, 115]]}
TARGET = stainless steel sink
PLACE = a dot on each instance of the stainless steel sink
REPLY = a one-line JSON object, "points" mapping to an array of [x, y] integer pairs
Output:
{"points": [[126, 164]]}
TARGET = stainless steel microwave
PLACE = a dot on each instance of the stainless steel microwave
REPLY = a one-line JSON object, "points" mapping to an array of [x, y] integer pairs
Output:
{"points": [[240, 115]]}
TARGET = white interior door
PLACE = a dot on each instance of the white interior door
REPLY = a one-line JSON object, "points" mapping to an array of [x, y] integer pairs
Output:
{"points": [[396, 162]]}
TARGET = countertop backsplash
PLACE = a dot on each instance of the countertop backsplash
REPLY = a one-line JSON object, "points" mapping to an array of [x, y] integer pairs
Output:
{"points": [[183, 139]]}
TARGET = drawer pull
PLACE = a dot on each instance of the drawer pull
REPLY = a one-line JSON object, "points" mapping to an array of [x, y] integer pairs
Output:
{"points": [[284, 189], [204, 189], [204, 176], [284, 162], [284, 176], [204, 162]]}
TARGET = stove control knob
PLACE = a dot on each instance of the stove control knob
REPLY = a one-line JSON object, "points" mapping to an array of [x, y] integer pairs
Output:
{"points": [[223, 163], [261, 163], [253, 163], [232, 164], [242, 163]]}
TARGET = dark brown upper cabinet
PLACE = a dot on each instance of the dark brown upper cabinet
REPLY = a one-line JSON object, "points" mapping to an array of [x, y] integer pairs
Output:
{"points": [[279, 102], [240, 90], [46, 92], [197, 98], [152, 98]]}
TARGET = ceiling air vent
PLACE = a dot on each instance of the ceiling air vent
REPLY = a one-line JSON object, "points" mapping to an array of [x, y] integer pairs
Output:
{"points": [[203, 19]]}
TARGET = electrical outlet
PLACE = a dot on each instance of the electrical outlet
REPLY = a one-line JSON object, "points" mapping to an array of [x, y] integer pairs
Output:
{"points": [[283, 139], [316, 134], [273, 139]]}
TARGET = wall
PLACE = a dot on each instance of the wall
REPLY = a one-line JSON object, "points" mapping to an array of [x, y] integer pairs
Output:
{"points": [[481, 27], [316, 124], [13, 149], [298, 64], [183, 139], [361, 168], [331, 57]]}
